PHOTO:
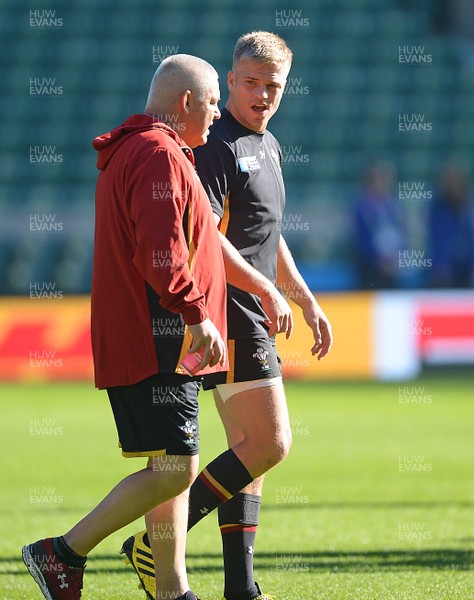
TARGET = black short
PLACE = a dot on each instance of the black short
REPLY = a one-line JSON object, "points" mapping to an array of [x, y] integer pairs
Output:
{"points": [[158, 415], [249, 359]]}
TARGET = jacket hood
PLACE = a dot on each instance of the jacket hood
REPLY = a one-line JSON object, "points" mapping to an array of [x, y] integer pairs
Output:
{"points": [[107, 143]]}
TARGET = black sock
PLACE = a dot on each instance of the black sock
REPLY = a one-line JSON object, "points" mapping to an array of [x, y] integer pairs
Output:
{"points": [[66, 554], [217, 483], [238, 520]]}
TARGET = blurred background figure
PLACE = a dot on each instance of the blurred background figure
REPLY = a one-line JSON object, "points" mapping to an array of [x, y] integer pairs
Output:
{"points": [[451, 230], [379, 231]]}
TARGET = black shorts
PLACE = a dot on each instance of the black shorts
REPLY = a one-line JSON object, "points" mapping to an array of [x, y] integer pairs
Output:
{"points": [[249, 359], [158, 415]]}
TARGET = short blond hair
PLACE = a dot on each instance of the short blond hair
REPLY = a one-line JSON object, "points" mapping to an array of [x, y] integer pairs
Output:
{"points": [[263, 46]]}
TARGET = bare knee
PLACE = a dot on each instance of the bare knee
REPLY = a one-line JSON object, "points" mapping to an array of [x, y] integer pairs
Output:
{"points": [[262, 417], [266, 452], [281, 447], [183, 481], [177, 471]]}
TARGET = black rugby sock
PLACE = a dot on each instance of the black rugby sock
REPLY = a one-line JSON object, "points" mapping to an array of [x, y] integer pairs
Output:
{"points": [[217, 483], [238, 521]]}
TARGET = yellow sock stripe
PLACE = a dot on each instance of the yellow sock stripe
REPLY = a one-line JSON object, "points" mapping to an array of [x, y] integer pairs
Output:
{"points": [[205, 473], [225, 529]]}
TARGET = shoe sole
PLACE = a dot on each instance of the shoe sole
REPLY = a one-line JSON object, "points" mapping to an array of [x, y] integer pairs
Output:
{"points": [[35, 572]]}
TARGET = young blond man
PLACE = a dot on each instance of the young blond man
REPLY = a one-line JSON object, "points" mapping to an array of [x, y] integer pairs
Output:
{"points": [[240, 168]]}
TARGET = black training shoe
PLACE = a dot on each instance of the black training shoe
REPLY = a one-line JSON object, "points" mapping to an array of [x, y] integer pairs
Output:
{"points": [[56, 580]]}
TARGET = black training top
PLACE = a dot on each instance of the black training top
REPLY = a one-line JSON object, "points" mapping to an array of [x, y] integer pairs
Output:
{"points": [[241, 173]]}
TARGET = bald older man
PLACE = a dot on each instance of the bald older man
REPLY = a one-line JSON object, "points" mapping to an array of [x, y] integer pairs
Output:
{"points": [[158, 292]]}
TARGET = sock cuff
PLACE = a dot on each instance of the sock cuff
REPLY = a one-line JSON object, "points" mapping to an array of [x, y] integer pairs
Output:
{"points": [[242, 509], [189, 595], [64, 552]]}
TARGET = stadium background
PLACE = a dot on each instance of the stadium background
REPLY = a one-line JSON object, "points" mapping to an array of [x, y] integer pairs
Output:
{"points": [[73, 70], [375, 500]]}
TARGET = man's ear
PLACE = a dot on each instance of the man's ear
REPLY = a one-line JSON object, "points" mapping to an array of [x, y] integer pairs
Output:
{"points": [[185, 101], [230, 79]]}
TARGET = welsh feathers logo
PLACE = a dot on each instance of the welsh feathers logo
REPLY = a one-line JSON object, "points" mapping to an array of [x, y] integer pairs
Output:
{"points": [[261, 356], [190, 430]]}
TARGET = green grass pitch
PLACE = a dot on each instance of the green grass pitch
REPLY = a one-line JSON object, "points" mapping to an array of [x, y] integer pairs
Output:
{"points": [[374, 502]]}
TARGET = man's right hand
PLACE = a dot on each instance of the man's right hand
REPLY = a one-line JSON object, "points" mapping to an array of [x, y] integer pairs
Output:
{"points": [[242, 275], [206, 336], [280, 316]]}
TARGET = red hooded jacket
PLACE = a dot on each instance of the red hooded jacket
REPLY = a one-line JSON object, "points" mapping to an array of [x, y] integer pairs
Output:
{"points": [[158, 264]]}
